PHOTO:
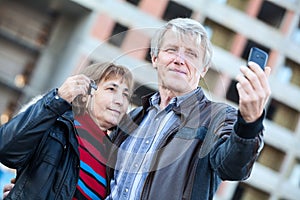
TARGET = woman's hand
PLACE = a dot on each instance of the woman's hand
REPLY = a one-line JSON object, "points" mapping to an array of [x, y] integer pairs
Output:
{"points": [[74, 86]]}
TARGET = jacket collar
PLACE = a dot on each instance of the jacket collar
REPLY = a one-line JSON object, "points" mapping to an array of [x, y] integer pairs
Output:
{"points": [[185, 107]]}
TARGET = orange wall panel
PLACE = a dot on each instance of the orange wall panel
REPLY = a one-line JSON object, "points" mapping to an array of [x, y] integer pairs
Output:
{"points": [[155, 8], [136, 44], [102, 27], [254, 7]]}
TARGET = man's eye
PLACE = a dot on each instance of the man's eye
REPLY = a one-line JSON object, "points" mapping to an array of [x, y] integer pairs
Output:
{"points": [[111, 88], [170, 50], [192, 54]]}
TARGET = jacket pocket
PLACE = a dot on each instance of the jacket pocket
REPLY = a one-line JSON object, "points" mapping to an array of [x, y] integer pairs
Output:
{"points": [[192, 133], [53, 159], [54, 147]]}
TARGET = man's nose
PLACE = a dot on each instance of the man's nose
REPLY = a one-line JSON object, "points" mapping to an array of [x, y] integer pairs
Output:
{"points": [[179, 58]]}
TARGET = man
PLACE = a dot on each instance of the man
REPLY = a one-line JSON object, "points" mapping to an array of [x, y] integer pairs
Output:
{"points": [[179, 144]]}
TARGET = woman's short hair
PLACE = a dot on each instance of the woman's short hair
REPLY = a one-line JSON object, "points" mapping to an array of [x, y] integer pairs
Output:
{"points": [[101, 72]]}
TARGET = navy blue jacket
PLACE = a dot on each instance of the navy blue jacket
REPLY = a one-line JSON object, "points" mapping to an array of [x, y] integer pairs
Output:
{"points": [[41, 144]]}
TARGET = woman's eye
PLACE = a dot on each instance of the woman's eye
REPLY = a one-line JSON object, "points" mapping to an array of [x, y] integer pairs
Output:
{"points": [[111, 88], [126, 95]]}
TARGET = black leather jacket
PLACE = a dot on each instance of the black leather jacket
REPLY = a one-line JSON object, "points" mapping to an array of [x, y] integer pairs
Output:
{"points": [[41, 144], [210, 143]]}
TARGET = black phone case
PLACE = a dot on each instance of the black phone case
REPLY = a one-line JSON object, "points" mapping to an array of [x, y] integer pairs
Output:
{"points": [[258, 56]]}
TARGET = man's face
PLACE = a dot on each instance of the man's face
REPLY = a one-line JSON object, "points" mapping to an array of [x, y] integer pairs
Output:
{"points": [[179, 63]]}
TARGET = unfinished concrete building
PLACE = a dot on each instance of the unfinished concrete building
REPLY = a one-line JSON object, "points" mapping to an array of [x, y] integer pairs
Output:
{"points": [[43, 42]]}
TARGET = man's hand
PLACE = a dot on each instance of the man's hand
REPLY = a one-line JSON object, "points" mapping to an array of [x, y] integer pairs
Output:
{"points": [[7, 188], [254, 90]]}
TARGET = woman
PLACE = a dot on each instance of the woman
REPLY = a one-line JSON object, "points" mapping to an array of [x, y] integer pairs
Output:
{"points": [[57, 157]]}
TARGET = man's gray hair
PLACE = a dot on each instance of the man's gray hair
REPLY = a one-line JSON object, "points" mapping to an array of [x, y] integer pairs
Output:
{"points": [[184, 26]]}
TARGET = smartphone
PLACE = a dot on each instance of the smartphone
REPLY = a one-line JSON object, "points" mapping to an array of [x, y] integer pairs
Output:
{"points": [[258, 56]]}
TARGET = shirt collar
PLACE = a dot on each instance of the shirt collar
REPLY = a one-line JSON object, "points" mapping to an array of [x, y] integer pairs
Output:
{"points": [[184, 105], [154, 100]]}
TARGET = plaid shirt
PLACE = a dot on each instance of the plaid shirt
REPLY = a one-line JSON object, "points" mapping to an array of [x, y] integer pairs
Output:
{"points": [[138, 150]]}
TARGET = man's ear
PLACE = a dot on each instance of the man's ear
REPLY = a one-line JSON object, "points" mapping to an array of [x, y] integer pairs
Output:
{"points": [[204, 70], [154, 59]]}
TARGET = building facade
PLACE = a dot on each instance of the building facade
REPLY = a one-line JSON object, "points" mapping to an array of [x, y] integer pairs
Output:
{"points": [[43, 42]]}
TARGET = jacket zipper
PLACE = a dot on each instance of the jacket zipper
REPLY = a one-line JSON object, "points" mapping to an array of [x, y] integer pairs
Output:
{"points": [[66, 172], [69, 164]]}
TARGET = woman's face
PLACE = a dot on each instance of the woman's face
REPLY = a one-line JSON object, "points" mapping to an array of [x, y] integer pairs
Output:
{"points": [[110, 102]]}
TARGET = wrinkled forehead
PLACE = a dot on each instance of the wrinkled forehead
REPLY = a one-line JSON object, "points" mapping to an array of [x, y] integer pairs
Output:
{"points": [[183, 36]]}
